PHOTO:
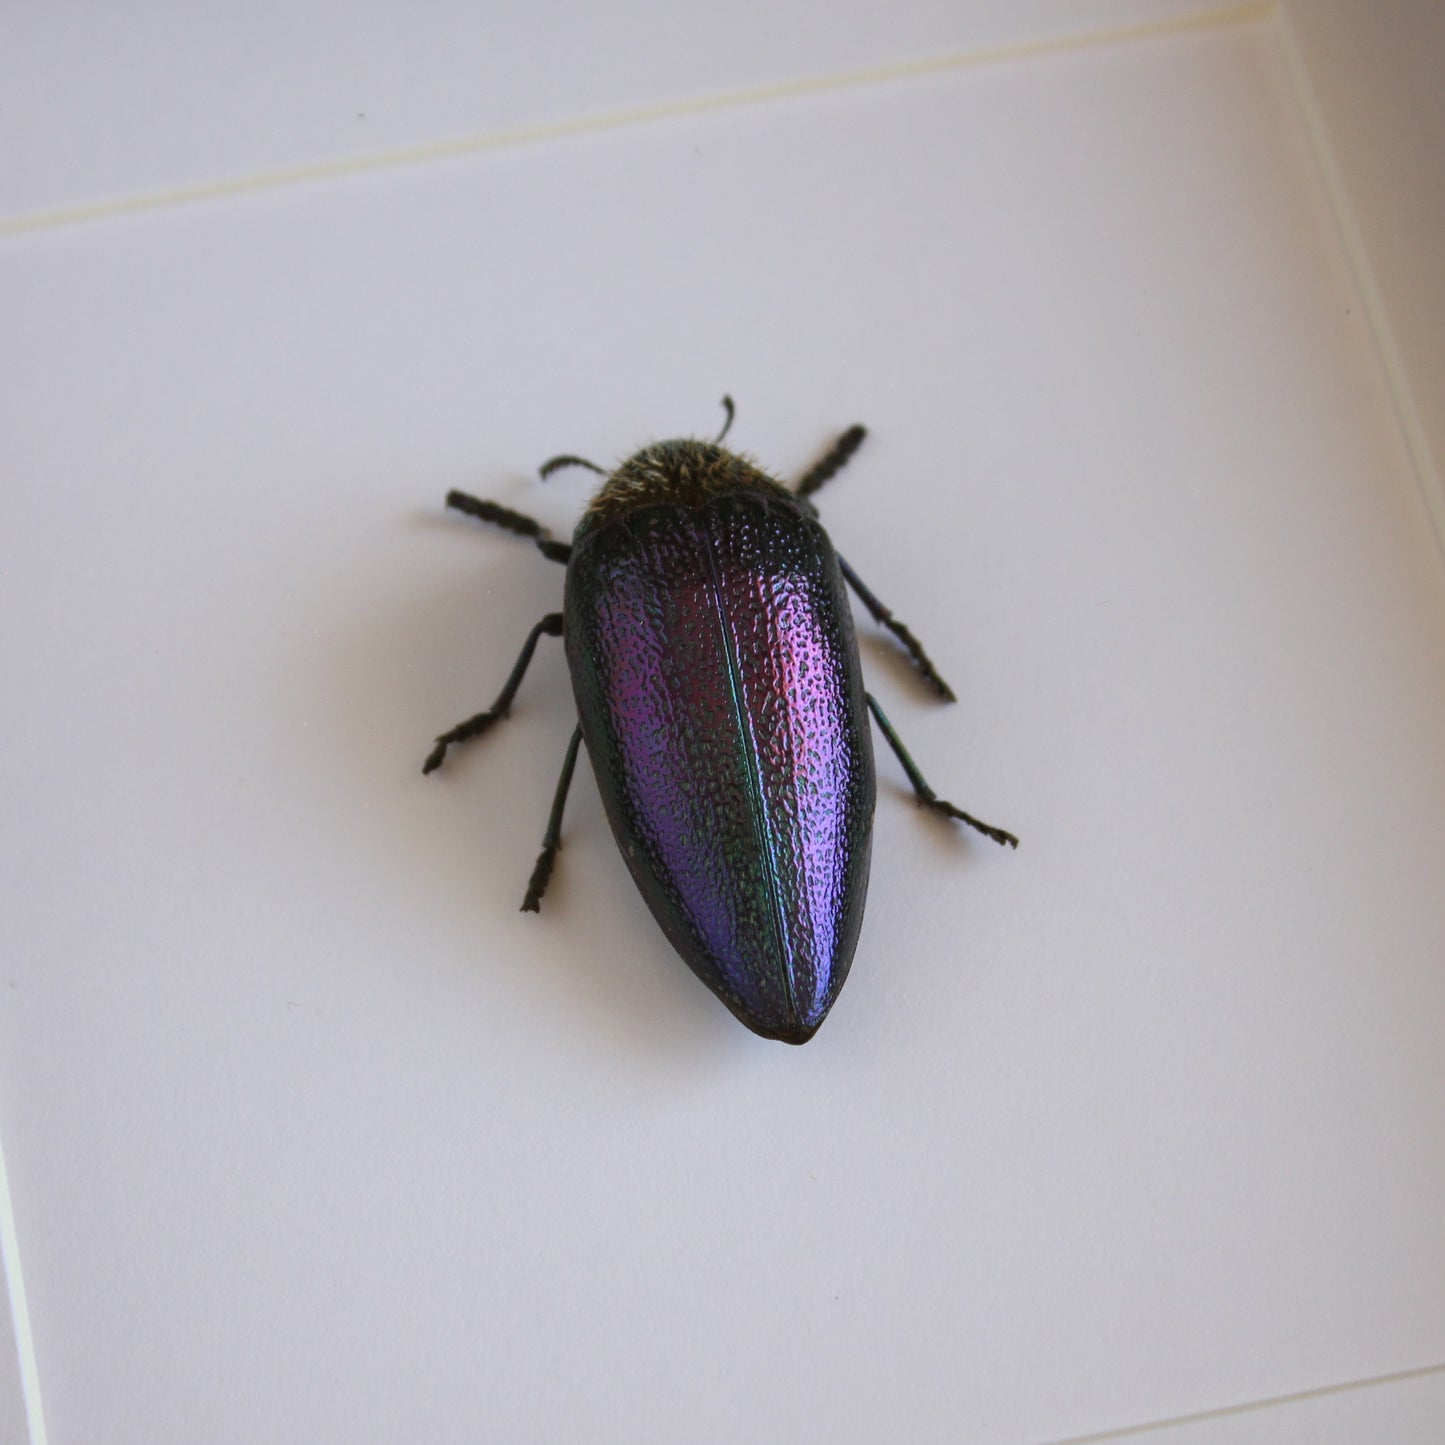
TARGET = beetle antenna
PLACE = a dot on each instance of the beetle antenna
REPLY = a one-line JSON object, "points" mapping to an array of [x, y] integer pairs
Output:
{"points": [[557, 463], [731, 411]]}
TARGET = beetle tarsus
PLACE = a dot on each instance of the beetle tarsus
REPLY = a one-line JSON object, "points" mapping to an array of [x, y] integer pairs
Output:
{"points": [[541, 876], [927, 798], [950, 810], [552, 838], [551, 626], [463, 732]]}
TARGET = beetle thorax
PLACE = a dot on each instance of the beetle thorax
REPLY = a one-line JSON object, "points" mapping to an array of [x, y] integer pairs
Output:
{"points": [[682, 473]]}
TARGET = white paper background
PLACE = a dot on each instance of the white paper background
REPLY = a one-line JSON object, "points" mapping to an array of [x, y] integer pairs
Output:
{"points": [[313, 1136], [155, 95]]}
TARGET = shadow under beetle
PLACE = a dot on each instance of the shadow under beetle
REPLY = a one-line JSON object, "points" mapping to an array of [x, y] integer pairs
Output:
{"points": [[713, 659]]}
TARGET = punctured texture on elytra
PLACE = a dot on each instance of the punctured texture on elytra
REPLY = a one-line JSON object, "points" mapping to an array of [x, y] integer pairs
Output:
{"points": [[716, 673]]}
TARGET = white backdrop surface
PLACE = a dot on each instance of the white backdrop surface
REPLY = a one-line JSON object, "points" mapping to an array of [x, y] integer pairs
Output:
{"points": [[312, 1136], [153, 95]]}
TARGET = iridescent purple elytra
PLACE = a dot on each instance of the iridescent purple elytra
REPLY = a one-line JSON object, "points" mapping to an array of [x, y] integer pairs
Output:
{"points": [[719, 693], [716, 672]]}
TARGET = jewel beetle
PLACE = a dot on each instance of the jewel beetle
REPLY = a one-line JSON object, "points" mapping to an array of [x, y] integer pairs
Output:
{"points": [[715, 668]]}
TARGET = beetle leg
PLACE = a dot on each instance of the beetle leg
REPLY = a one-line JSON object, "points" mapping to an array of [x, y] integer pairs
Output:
{"points": [[552, 839], [900, 631], [926, 796], [832, 462], [551, 624], [517, 522]]}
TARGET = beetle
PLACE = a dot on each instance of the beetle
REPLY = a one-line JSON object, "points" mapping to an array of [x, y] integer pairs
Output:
{"points": [[715, 668]]}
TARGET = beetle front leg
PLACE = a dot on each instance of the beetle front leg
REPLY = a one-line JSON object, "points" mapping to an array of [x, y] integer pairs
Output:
{"points": [[831, 462], [518, 522], [900, 631], [926, 796], [552, 839], [551, 624]]}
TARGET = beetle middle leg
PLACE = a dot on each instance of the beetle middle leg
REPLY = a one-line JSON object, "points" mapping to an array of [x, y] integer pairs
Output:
{"points": [[882, 615], [824, 469], [552, 839], [926, 796], [551, 624]]}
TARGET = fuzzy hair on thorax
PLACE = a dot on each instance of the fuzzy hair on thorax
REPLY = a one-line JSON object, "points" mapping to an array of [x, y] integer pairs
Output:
{"points": [[682, 473]]}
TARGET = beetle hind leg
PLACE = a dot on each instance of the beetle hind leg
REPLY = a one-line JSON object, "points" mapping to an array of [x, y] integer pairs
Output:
{"points": [[926, 796], [475, 726], [552, 839]]}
